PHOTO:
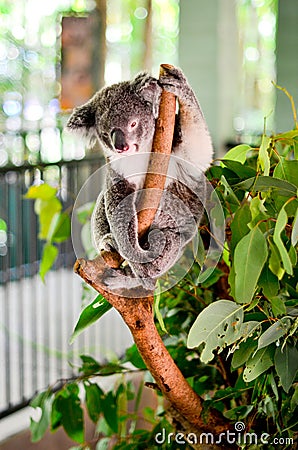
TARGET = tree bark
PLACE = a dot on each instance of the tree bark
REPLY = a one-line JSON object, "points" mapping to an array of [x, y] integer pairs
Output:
{"points": [[138, 312]]}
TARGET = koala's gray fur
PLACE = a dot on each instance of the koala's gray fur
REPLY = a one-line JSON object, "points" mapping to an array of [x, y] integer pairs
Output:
{"points": [[122, 117]]}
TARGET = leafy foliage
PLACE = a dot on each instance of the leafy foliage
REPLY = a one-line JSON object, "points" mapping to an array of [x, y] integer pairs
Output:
{"points": [[54, 224], [240, 324]]}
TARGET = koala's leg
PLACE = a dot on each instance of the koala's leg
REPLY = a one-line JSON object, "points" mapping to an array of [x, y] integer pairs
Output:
{"points": [[175, 224], [120, 205], [192, 141]]}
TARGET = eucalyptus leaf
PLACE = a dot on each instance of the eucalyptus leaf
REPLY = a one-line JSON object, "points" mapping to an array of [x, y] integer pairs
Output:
{"points": [[38, 428], [268, 282], [294, 236], [274, 332], [238, 153], [278, 306], [263, 157], [257, 364], [287, 170], [249, 258], [72, 417], [43, 191], [240, 412], [239, 225], [282, 220], [59, 229], [132, 355], [49, 255], [243, 353], [94, 400], [47, 210], [217, 326], [91, 314], [241, 171], [265, 184], [275, 262], [110, 411], [286, 364]]}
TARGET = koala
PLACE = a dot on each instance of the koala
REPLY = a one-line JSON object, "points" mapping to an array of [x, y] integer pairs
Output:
{"points": [[122, 117]]}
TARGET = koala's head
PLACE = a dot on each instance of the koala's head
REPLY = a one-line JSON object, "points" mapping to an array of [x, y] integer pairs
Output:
{"points": [[121, 116]]}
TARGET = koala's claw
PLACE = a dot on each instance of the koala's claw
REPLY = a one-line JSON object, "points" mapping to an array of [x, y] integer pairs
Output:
{"points": [[108, 243]]}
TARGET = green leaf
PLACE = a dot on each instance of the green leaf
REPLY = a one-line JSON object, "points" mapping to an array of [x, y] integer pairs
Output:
{"points": [[94, 400], [84, 212], [286, 364], [278, 306], [243, 353], [110, 411], [218, 325], [275, 262], [257, 364], [90, 365], [228, 192], [294, 399], [43, 192], [282, 220], [59, 229], [287, 170], [46, 210], [240, 412], [258, 211], [3, 225], [91, 314], [286, 135], [268, 282], [239, 225], [132, 355], [274, 332], [70, 413], [157, 312], [263, 157], [265, 184], [249, 258], [241, 171], [48, 258], [238, 153], [44, 402], [294, 236]]}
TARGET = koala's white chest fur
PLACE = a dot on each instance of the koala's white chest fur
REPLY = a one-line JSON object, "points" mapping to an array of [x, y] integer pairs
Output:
{"points": [[133, 168]]}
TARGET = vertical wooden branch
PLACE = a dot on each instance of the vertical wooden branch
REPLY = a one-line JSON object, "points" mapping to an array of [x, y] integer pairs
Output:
{"points": [[138, 312]]}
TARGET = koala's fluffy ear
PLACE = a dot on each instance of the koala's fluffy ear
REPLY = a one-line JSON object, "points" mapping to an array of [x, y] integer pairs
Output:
{"points": [[82, 119], [148, 88]]}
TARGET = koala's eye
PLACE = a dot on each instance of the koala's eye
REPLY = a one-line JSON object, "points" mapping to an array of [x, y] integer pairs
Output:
{"points": [[133, 124]]}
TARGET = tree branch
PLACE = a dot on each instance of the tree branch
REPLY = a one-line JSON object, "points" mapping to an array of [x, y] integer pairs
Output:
{"points": [[138, 312]]}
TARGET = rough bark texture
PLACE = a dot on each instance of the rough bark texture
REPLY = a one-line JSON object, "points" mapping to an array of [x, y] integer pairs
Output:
{"points": [[137, 312], [158, 167], [138, 316]]}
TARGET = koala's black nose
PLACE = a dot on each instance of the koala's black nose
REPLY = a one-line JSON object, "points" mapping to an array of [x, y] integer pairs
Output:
{"points": [[118, 139]]}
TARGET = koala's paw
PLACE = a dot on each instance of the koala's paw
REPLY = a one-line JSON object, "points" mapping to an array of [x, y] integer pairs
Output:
{"points": [[174, 81], [117, 279], [108, 243]]}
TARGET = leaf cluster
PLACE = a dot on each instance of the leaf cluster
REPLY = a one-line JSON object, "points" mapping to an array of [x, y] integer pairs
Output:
{"points": [[54, 223]]}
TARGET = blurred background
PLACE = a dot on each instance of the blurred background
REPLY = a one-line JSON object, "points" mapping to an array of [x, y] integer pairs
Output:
{"points": [[53, 56]]}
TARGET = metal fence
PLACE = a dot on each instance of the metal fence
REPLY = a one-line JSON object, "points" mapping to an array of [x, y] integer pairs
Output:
{"points": [[36, 319]]}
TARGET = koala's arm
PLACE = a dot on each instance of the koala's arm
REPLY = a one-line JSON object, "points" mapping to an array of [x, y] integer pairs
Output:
{"points": [[100, 228], [192, 141]]}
